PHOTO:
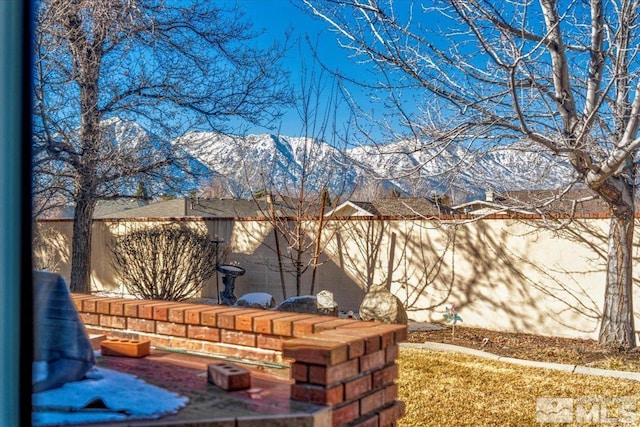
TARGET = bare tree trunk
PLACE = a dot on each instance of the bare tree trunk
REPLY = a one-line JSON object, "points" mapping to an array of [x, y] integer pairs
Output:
{"points": [[617, 327], [317, 247], [81, 246]]}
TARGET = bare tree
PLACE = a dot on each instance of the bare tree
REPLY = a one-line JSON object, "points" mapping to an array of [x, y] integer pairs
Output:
{"points": [[168, 66], [562, 75], [164, 262], [296, 206]]}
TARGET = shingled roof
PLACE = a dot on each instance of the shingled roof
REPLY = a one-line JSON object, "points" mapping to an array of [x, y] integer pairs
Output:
{"points": [[396, 206], [201, 207]]}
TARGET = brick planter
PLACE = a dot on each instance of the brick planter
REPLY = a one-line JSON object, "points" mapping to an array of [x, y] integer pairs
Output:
{"points": [[344, 364]]}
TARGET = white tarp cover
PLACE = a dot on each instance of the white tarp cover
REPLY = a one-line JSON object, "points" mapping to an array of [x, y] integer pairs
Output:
{"points": [[62, 350]]}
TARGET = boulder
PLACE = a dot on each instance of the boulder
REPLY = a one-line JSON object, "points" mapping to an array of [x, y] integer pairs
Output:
{"points": [[257, 300], [301, 304], [381, 305]]}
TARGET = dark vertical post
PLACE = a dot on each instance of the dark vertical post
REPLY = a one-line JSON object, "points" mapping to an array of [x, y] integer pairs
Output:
{"points": [[15, 214]]}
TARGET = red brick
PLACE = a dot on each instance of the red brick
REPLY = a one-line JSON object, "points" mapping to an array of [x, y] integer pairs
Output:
{"points": [[210, 317], [103, 306], [327, 375], [173, 329], [367, 421], [345, 414], [284, 326], [264, 324], [192, 315], [125, 347], [372, 402], [361, 325], [246, 339], [228, 376], [176, 314], [355, 344], [269, 342], [305, 327], [318, 352], [317, 394], [371, 340], [203, 333], [117, 322], [390, 334], [116, 307], [390, 393], [244, 320], [141, 325], [391, 353], [131, 307], [391, 414], [227, 319], [89, 304], [333, 324], [90, 318], [375, 360], [300, 372], [161, 312], [78, 299], [355, 388], [146, 310], [385, 376]]}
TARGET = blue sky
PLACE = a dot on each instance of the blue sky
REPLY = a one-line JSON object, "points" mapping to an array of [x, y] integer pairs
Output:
{"points": [[275, 17], [278, 16]]}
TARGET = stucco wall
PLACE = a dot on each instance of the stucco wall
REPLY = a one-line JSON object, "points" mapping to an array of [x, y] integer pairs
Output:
{"points": [[509, 274]]}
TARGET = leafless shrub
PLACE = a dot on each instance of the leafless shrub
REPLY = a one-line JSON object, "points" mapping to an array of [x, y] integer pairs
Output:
{"points": [[166, 262]]}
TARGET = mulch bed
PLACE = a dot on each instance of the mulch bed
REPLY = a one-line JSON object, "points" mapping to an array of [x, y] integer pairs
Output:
{"points": [[533, 347]]}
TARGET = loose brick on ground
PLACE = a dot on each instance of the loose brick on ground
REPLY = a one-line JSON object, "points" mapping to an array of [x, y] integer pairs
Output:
{"points": [[125, 347], [228, 376]]}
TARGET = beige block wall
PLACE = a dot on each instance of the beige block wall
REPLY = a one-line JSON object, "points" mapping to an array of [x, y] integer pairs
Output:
{"points": [[506, 274]]}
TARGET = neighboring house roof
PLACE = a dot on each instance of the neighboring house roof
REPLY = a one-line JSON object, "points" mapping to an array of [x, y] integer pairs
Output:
{"points": [[578, 201], [397, 206], [103, 208], [166, 208], [201, 207], [106, 207]]}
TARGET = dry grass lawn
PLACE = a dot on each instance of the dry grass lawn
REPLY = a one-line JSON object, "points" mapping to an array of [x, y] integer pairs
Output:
{"points": [[450, 389]]}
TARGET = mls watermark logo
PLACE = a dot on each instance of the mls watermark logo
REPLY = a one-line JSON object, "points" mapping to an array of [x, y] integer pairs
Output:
{"points": [[592, 410]]}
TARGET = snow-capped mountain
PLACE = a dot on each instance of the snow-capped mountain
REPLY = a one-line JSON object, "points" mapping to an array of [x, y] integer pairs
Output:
{"points": [[281, 163], [261, 161]]}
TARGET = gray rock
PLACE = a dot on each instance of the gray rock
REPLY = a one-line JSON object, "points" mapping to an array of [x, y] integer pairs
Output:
{"points": [[381, 305], [256, 300], [301, 304]]}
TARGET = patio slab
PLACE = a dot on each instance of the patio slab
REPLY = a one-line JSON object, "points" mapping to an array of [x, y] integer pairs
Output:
{"points": [[266, 403]]}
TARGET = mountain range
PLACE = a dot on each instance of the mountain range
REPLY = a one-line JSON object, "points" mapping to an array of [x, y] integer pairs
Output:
{"points": [[243, 165], [407, 167]]}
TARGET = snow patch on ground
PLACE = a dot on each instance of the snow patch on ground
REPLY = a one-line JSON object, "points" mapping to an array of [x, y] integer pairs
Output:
{"points": [[104, 396]]}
